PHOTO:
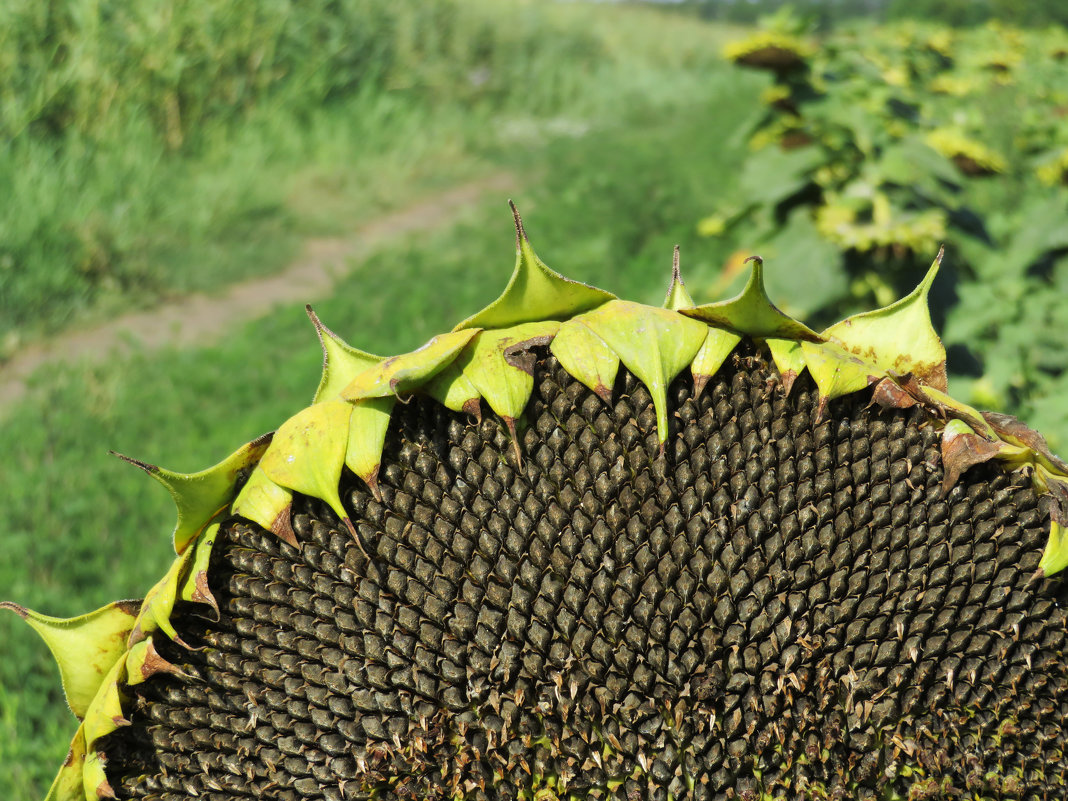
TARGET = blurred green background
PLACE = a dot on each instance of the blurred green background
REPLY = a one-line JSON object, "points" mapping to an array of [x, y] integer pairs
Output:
{"points": [[156, 149]]}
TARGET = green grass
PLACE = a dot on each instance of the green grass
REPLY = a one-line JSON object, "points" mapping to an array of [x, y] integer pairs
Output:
{"points": [[608, 179], [103, 229], [110, 206]]}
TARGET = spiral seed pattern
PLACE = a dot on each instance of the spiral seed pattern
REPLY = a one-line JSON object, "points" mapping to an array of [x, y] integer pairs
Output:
{"points": [[772, 606]]}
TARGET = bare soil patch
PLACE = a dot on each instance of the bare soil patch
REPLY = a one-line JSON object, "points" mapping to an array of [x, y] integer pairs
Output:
{"points": [[200, 318]]}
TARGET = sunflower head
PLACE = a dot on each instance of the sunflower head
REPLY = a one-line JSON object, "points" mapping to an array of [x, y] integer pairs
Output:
{"points": [[583, 546]]}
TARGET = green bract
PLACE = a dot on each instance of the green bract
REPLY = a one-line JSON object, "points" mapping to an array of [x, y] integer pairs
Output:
{"points": [[490, 358]]}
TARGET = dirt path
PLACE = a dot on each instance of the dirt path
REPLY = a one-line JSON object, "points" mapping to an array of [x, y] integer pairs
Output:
{"points": [[200, 318]]}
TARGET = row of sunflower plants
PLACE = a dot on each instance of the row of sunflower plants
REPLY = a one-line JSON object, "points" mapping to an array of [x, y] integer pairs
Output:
{"points": [[879, 144]]}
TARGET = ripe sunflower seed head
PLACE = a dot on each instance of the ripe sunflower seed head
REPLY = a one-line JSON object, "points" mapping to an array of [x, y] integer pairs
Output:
{"points": [[589, 578]]}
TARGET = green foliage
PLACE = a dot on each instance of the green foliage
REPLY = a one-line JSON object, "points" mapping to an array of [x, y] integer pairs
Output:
{"points": [[143, 140], [89, 67], [891, 141], [974, 12], [828, 14]]}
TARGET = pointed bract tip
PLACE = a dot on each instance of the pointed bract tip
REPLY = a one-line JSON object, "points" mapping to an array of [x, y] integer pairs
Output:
{"points": [[677, 297], [473, 407], [283, 528], [700, 381], [510, 423], [932, 272], [178, 640], [821, 407], [262, 439], [756, 277], [154, 663], [202, 593], [356, 536], [520, 232], [787, 380], [21, 611], [1036, 577], [151, 469], [320, 329], [889, 394], [132, 608], [371, 480]]}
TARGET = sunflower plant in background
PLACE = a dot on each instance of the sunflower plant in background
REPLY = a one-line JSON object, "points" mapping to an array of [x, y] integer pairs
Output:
{"points": [[880, 142]]}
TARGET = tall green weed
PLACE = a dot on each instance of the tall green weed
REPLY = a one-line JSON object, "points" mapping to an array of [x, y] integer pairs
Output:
{"points": [[145, 138]]}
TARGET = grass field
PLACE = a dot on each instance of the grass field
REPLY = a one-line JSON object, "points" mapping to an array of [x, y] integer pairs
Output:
{"points": [[611, 164], [118, 207]]}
